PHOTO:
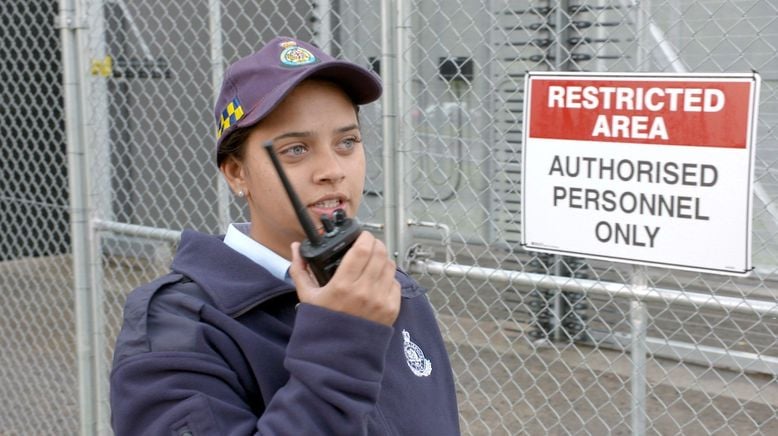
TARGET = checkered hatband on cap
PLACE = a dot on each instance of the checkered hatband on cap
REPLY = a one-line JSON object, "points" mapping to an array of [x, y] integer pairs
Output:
{"points": [[229, 116]]}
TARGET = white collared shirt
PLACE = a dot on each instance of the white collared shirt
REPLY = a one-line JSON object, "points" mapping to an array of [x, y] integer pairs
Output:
{"points": [[238, 239]]}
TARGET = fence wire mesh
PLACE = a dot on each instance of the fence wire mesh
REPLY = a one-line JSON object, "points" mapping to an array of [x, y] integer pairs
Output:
{"points": [[37, 363], [529, 357]]}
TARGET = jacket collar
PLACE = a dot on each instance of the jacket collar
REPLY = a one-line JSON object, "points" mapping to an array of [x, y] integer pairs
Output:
{"points": [[232, 280]]}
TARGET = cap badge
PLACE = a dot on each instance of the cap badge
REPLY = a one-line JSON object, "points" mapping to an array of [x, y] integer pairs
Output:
{"points": [[296, 56], [420, 366], [229, 116]]}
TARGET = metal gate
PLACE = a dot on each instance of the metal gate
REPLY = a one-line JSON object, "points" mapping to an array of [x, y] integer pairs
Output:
{"points": [[539, 343]]}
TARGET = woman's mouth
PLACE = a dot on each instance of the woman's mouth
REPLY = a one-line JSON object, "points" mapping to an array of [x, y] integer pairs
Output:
{"points": [[328, 204], [327, 207]]}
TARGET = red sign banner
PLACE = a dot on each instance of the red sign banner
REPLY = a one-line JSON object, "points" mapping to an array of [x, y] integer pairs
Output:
{"points": [[658, 112]]}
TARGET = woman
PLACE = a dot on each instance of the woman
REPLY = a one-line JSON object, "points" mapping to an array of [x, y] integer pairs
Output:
{"points": [[239, 338]]}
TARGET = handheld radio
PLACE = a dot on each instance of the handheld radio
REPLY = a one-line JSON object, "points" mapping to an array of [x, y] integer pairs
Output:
{"points": [[322, 252]]}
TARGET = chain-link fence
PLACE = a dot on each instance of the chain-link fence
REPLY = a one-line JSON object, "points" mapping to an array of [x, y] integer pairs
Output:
{"points": [[38, 378], [539, 343]]}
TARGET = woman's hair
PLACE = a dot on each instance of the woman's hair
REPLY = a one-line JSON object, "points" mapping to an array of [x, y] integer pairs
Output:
{"points": [[233, 145]]}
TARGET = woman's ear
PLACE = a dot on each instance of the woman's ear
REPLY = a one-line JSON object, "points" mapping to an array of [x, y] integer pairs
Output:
{"points": [[235, 175]]}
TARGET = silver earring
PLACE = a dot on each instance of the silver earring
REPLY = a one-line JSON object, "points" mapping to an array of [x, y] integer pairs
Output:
{"points": [[240, 194]]}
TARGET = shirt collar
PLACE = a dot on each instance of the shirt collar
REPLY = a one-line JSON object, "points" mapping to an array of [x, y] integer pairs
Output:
{"points": [[238, 239]]}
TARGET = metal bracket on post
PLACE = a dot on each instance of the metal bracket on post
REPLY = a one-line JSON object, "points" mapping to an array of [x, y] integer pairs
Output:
{"points": [[69, 20], [417, 253], [445, 238]]}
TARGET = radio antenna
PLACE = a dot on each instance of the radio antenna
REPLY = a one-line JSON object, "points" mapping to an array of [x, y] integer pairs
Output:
{"points": [[299, 208]]}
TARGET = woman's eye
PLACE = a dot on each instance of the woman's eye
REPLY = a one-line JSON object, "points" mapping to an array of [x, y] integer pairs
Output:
{"points": [[295, 150], [349, 143]]}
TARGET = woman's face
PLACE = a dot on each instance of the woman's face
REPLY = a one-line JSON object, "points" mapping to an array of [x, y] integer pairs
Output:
{"points": [[315, 134]]}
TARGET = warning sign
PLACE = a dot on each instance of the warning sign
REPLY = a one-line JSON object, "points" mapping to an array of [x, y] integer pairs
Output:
{"points": [[651, 169]]}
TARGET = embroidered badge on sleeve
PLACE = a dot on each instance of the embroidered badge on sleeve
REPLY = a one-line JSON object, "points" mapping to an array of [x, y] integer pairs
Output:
{"points": [[420, 366]]}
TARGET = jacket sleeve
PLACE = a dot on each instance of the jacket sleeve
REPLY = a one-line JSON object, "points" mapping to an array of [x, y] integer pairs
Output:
{"points": [[335, 364]]}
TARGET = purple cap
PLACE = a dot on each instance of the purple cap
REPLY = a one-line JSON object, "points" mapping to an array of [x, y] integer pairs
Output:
{"points": [[255, 85]]}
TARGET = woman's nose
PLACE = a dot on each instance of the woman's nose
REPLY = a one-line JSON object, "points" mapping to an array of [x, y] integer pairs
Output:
{"points": [[329, 168]]}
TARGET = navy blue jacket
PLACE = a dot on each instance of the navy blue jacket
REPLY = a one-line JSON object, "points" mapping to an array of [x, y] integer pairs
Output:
{"points": [[217, 347]]}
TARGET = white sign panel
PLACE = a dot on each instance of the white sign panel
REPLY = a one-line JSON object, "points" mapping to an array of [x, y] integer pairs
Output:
{"points": [[648, 169]]}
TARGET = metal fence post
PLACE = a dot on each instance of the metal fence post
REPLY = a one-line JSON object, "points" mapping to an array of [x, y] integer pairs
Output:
{"points": [[561, 53], [638, 318], [389, 75], [217, 71], [70, 23], [97, 146], [404, 104]]}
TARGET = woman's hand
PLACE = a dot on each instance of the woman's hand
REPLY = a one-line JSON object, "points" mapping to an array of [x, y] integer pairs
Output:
{"points": [[363, 284]]}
